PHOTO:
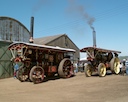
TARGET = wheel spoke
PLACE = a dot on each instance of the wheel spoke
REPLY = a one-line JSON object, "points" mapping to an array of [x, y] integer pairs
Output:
{"points": [[67, 63], [37, 74], [23, 77], [102, 71]]}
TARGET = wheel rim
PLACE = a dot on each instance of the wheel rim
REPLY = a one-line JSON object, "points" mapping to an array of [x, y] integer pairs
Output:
{"points": [[21, 75], [37, 74], [102, 70], [88, 71], [65, 68], [116, 67]]}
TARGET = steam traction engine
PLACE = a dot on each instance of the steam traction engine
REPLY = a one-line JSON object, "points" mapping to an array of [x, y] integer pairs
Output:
{"points": [[101, 60], [39, 61]]}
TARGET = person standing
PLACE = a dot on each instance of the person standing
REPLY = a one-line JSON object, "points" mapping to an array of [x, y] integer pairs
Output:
{"points": [[121, 66], [126, 66], [16, 67], [75, 67], [123, 69]]}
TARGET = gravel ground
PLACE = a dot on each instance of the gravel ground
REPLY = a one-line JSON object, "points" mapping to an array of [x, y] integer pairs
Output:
{"points": [[111, 88]]}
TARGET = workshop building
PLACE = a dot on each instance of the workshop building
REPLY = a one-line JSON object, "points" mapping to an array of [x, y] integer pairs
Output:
{"points": [[61, 40]]}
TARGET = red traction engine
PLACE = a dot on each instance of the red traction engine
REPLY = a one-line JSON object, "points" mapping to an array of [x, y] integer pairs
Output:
{"points": [[39, 61]]}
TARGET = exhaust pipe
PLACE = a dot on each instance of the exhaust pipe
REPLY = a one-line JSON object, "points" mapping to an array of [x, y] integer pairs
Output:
{"points": [[31, 30], [94, 38]]}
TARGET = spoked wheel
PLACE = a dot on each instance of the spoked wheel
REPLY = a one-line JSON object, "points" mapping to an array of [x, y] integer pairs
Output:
{"points": [[36, 74], [101, 69], [65, 69], [21, 75], [115, 65], [88, 70]]}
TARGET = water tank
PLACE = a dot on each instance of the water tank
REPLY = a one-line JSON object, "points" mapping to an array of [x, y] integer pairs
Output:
{"points": [[12, 30]]}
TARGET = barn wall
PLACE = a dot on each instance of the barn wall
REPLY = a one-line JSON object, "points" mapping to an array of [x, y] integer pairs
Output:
{"points": [[65, 42], [58, 42], [6, 66], [71, 45], [10, 30]]}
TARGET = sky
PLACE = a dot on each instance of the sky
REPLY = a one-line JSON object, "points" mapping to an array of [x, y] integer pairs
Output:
{"points": [[75, 18]]}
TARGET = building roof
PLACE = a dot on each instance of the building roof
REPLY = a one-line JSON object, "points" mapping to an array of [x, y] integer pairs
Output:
{"points": [[98, 49], [9, 18], [47, 39]]}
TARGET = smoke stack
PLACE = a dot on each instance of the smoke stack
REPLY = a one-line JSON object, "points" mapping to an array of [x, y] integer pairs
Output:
{"points": [[94, 38], [31, 26], [31, 30]]}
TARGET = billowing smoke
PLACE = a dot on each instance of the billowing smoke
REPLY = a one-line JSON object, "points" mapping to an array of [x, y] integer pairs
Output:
{"points": [[37, 6], [90, 22], [74, 8], [80, 10]]}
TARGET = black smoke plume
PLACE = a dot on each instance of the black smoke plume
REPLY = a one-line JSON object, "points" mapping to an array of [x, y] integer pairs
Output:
{"points": [[80, 10]]}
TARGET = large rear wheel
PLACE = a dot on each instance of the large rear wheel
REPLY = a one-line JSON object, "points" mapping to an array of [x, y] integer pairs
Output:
{"points": [[88, 70], [101, 69], [36, 74], [115, 65], [65, 69]]}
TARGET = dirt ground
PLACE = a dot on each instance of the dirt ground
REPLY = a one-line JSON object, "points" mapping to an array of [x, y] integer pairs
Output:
{"points": [[111, 88]]}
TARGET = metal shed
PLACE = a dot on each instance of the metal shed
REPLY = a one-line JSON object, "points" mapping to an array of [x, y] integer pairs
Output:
{"points": [[10, 30]]}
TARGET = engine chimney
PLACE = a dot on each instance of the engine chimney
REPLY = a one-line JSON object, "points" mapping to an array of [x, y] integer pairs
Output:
{"points": [[94, 38], [31, 30]]}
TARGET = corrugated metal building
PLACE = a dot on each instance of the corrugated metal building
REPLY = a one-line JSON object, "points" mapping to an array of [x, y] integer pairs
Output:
{"points": [[13, 30], [10, 30], [61, 40]]}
